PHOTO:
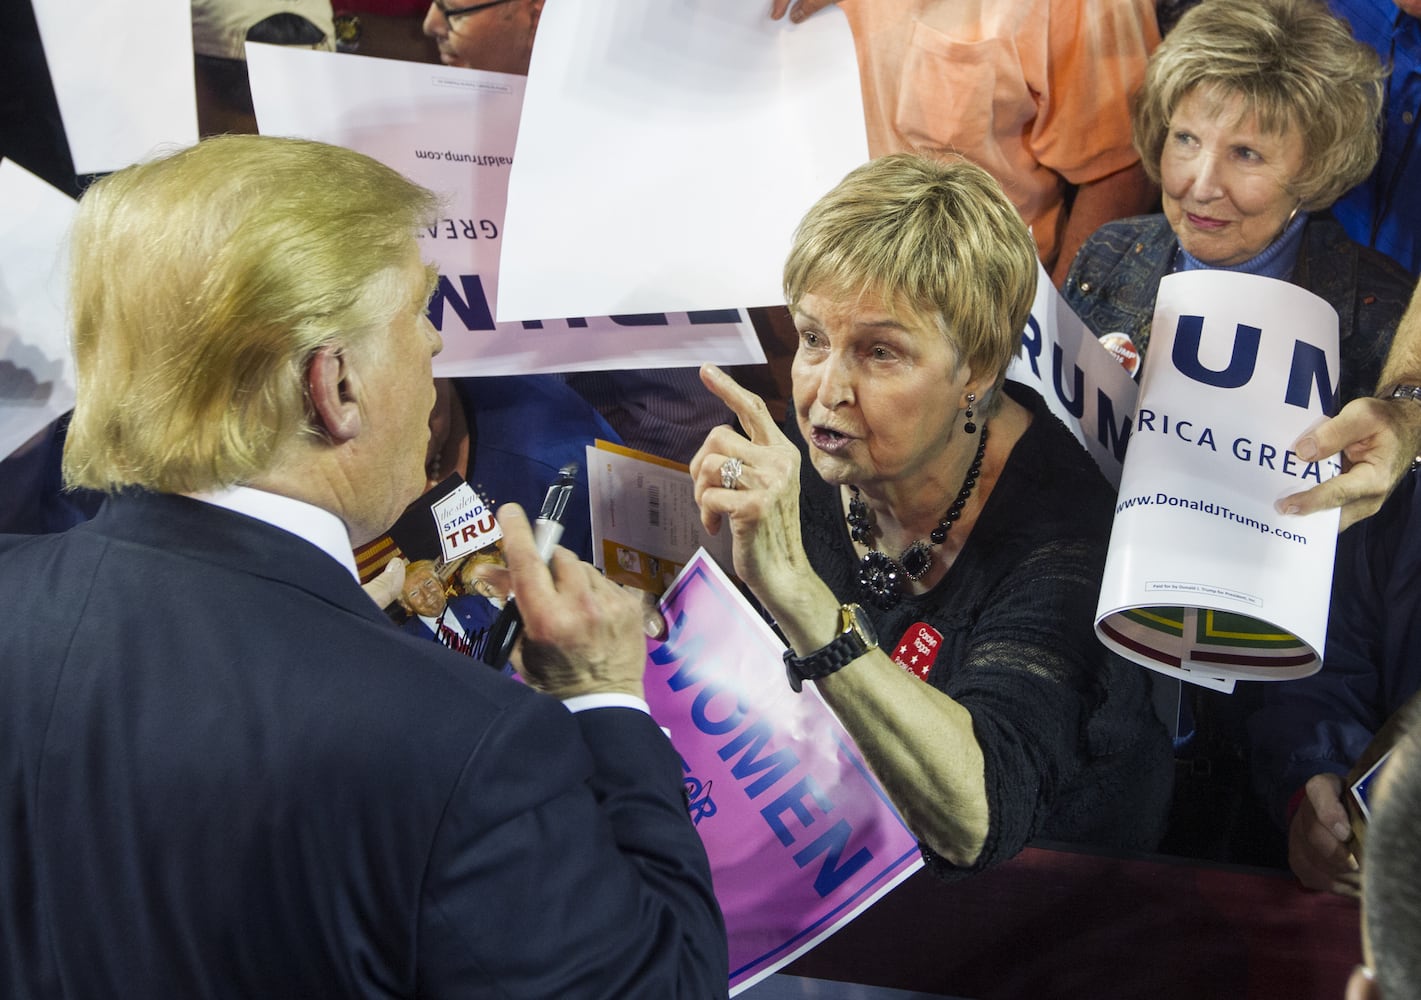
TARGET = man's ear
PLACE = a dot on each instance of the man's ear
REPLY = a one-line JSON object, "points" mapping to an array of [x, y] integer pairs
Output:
{"points": [[332, 387], [535, 11]]}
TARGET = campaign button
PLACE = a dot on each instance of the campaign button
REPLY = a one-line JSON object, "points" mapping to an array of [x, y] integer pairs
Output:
{"points": [[1122, 348]]}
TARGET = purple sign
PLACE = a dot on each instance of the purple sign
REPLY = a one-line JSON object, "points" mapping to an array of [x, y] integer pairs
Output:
{"points": [[800, 836]]}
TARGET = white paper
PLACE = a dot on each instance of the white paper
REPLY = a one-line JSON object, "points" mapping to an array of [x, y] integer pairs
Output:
{"points": [[1083, 384], [645, 523], [123, 76], [1203, 576], [36, 362], [453, 131], [465, 523], [668, 151]]}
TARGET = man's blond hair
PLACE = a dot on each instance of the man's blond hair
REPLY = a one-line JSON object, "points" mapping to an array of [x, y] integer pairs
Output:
{"points": [[203, 282]]}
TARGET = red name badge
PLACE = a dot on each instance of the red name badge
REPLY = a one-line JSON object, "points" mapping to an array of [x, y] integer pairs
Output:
{"points": [[917, 650]]}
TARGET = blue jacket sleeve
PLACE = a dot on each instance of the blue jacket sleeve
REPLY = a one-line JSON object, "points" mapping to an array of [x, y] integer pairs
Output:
{"points": [[567, 866]]}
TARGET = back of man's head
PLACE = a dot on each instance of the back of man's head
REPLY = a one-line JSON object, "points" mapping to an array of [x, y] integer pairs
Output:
{"points": [[1391, 868], [202, 284]]}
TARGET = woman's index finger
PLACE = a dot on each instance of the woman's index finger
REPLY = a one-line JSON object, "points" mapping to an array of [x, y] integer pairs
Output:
{"points": [[749, 409]]}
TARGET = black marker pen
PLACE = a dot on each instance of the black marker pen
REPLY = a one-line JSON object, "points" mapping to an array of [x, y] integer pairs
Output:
{"points": [[547, 532]]}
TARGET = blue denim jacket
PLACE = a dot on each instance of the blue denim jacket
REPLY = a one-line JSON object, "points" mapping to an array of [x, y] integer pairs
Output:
{"points": [[1115, 277]]}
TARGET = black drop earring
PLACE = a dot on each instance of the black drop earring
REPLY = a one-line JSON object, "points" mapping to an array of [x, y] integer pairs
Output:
{"points": [[969, 426]]}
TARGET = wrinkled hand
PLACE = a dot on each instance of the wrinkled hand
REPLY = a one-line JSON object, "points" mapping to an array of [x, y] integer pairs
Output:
{"points": [[582, 634], [763, 512], [492, 581], [1378, 439], [1318, 838], [801, 10], [386, 588]]}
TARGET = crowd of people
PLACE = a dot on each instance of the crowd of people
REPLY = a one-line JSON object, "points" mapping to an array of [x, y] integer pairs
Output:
{"points": [[278, 792]]}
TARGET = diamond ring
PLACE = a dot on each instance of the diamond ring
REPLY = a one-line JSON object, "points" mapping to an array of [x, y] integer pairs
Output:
{"points": [[730, 471]]}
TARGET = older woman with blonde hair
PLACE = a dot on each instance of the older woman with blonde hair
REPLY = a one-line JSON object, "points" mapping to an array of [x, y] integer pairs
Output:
{"points": [[928, 540], [1254, 118]]}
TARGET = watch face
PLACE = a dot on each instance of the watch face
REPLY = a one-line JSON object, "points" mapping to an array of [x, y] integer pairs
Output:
{"points": [[864, 624]]}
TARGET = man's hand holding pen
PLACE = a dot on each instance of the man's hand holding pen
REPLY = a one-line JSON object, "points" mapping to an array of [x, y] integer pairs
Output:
{"points": [[581, 633], [503, 634]]}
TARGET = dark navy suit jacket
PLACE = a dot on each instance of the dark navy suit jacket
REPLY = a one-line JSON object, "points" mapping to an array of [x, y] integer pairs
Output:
{"points": [[223, 773]]}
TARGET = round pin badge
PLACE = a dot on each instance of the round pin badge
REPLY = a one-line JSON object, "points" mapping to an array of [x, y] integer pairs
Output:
{"points": [[1122, 348]]}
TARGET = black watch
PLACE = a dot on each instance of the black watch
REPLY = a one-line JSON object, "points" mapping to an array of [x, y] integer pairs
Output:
{"points": [[856, 637]]}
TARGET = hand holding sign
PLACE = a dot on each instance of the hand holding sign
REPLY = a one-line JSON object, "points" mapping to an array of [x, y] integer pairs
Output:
{"points": [[1318, 849], [1378, 439], [1201, 582]]}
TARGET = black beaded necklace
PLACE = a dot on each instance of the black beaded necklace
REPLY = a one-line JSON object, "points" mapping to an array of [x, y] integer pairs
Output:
{"points": [[880, 575]]}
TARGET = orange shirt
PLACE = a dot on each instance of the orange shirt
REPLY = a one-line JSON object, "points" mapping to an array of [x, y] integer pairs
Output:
{"points": [[1034, 91]]}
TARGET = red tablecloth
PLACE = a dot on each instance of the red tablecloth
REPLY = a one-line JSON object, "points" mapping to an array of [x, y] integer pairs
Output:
{"points": [[1059, 923]]}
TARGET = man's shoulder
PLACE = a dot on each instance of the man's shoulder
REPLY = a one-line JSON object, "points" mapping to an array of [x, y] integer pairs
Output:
{"points": [[26, 546], [57, 559]]}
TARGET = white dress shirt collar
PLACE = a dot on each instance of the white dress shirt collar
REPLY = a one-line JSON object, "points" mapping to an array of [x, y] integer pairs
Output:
{"points": [[315, 524], [327, 532]]}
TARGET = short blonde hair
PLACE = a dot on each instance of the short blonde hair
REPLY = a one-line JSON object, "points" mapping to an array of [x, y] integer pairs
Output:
{"points": [[1295, 66], [937, 238], [202, 284]]}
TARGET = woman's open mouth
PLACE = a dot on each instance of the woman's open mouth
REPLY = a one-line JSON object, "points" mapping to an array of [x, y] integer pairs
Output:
{"points": [[829, 440]]}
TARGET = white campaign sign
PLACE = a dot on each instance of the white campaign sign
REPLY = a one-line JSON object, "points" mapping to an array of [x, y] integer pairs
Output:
{"points": [[466, 523], [36, 363], [1204, 579], [668, 151], [123, 76], [1082, 382], [453, 131]]}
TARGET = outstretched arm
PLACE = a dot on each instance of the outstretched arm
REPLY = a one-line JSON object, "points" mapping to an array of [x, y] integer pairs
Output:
{"points": [[919, 742]]}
